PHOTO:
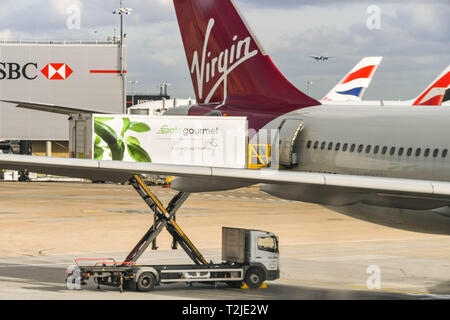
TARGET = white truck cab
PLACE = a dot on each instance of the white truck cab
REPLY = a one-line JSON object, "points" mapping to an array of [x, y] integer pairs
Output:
{"points": [[264, 250]]}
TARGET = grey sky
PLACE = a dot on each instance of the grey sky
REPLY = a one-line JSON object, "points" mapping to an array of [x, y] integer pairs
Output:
{"points": [[414, 39]]}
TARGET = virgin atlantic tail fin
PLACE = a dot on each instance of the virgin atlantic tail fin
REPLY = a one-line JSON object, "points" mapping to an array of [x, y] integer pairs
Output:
{"points": [[226, 61], [355, 83], [434, 94]]}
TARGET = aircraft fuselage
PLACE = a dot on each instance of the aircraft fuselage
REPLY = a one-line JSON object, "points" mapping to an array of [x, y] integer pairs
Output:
{"points": [[395, 141]]}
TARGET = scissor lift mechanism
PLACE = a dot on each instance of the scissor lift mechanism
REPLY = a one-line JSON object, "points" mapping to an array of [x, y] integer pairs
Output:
{"points": [[163, 218]]}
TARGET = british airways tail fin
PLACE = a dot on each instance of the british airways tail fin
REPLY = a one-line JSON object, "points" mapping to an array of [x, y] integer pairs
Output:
{"points": [[434, 94], [446, 97], [355, 83], [226, 61]]}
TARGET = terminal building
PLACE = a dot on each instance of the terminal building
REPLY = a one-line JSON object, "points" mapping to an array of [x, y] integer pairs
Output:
{"points": [[76, 74]]}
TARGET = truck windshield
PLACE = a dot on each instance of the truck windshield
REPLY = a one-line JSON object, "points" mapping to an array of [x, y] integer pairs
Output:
{"points": [[267, 244]]}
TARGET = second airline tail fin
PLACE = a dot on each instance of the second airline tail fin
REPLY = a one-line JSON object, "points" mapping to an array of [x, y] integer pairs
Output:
{"points": [[355, 83], [434, 94], [446, 97], [226, 62]]}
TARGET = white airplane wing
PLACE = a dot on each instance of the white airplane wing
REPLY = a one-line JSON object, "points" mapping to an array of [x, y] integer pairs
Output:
{"points": [[51, 107], [120, 171]]}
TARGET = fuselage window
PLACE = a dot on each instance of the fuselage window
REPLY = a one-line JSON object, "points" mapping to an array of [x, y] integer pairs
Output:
{"points": [[344, 147], [409, 152], [308, 145], [330, 146], [338, 146], [376, 149], [368, 149], [316, 144], [400, 151], [427, 152], [418, 152], [384, 150], [444, 153], [392, 151], [352, 148], [435, 153], [360, 148], [322, 146]]}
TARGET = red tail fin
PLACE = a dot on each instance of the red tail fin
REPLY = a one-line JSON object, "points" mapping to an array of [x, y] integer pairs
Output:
{"points": [[434, 94], [226, 61]]}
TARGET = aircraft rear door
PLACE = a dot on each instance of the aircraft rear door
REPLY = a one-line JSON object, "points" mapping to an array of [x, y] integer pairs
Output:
{"points": [[289, 132]]}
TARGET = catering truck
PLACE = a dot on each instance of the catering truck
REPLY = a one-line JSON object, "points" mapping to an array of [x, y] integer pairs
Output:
{"points": [[180, 140], [249, 257]]}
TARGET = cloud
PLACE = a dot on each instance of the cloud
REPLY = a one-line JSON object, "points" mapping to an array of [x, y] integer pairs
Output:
{"points": [[414, 39], [424, 21], [415, 46], [6, 34], [61, 6], [328, 3], [45, 16]]}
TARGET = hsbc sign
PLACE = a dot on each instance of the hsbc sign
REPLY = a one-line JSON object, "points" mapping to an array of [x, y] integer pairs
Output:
{"points": [[30, 71], [57, 71], [14, 71], [74, 74]]}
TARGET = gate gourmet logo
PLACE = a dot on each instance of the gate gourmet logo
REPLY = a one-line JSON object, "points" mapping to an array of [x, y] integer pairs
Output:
{"points": [[222, 64], [57, 71]]}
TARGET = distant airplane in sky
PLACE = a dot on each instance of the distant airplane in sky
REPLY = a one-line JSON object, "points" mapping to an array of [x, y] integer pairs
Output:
{"points": [[320, 58]]}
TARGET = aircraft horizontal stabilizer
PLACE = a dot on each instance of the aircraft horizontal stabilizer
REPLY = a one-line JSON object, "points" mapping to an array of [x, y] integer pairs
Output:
{"points": [[53, 108]]}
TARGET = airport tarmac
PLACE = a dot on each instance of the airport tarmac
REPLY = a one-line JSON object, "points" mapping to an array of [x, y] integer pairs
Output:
{"points": [[324, 255]]}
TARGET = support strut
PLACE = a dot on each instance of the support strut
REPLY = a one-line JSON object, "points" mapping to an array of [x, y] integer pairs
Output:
{"points": [[163, 218]]}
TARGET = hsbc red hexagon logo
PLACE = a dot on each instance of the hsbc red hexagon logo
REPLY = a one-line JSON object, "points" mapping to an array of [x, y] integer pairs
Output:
{"points": [[57, 71]]}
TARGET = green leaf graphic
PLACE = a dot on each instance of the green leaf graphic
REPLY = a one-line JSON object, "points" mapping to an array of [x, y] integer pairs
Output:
{"points": [[137, 153], [103, 119], [121, 149], [97, 140], [126, 125], [98, 153], [133, 140], [107, 134], [139, 127]]}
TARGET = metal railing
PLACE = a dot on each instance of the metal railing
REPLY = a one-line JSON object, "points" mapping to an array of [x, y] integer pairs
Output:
{"points": [[60, 42], [259, 155]]}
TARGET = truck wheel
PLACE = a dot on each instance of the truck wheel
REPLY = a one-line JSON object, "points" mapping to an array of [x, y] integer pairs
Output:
{"points": [[145, 282], [254, 278]]}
